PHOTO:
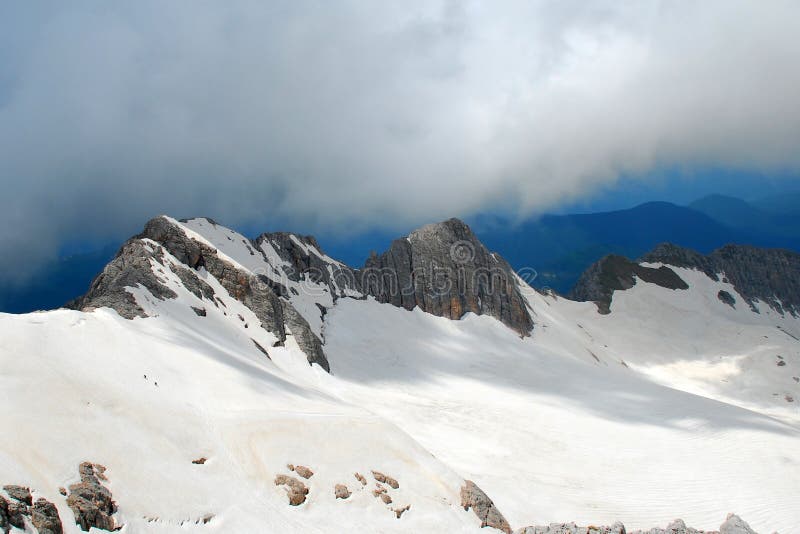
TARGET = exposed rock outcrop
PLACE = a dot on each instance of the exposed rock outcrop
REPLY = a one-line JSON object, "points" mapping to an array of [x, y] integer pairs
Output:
{"points": [[727, 298], [442, 268], [44, 517], [304, 260], [301, 470], [42, 513], [90, 501], [572, 528], [473, 497], [19, 493], [612, 273], [385, 479], [132, 267], [295, 490], [769, 275], [16, 514], [732, 525], [398, 512], [341, 491], [5, 526], [735, 525], [446, 271]]}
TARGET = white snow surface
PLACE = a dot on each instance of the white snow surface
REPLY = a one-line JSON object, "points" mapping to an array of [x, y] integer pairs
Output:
{"points": [[674, 405]]}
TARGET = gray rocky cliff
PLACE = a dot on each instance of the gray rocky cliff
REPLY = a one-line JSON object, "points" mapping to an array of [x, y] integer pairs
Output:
{"points": [[445, 270], [132, 267], [306, 261], [769, 275], [732, 525], [612, 273], [442, 268]]}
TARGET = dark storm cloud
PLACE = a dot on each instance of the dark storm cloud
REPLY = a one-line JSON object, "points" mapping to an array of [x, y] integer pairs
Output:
{"points": [[346, 115]]}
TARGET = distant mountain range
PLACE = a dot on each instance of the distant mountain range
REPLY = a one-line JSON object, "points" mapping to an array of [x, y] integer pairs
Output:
{"points": [[561, 247], [558, 247]]}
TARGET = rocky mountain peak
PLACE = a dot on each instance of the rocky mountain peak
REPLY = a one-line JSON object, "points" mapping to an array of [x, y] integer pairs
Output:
{"points": [[771, 276], [445, 270], [453, 228], [288, 282], [612, 273], [168, 246]]}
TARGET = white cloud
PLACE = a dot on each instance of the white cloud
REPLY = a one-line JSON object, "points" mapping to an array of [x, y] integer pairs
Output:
{"points": [[343, 115]]}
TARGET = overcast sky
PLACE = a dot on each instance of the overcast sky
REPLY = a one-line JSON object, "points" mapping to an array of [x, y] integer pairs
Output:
{"points": [[342, 116]]}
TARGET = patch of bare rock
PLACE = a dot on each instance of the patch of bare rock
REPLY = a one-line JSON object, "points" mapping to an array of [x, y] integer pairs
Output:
{"points": [[295, 490], [19, 493], [90, 501], [400, 511], [385, 479], [20, 505], [341, 491], [361, 479], [474, 497], [732, 525], [44, 517], [301, 470]]}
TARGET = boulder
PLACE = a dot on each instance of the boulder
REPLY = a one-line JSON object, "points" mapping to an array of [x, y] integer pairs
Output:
{"points": [[295, 489], [19, 493], [385, 479], [480, 503], [735, 525], [44, 517], [341, 491], [91, 502]]}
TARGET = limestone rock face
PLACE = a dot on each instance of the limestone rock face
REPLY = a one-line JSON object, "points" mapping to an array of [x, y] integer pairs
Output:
{"points": [[572, 528], [732, 525], [769, 275], [130, 268], [735, 525], [446, 271], [133, 266], [473, 497], [614, 273], [304, 259], [442, 268], [44, 517], [90, 501]]}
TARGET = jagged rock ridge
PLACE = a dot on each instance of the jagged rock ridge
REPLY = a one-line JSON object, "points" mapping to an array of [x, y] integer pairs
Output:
{"points": [[288, 282], [133, 265], [766, 274], [613, 273], [732, 525], [769, 275]]}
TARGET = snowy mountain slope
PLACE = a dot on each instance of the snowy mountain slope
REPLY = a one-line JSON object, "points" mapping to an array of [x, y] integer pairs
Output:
{"points": [[694, 340], [555, 436], [146, 397], [207, 356]]}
